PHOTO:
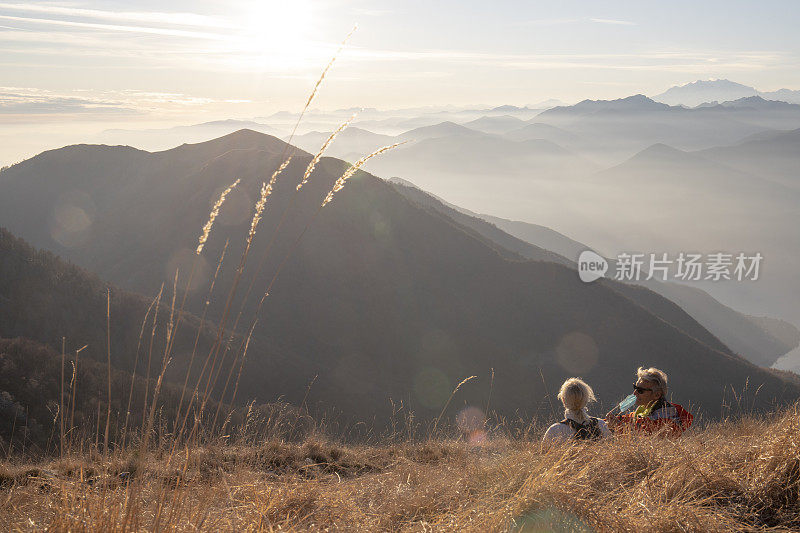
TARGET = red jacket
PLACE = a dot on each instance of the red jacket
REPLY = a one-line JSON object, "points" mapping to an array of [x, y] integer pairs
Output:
{"points": [[668, 419]]}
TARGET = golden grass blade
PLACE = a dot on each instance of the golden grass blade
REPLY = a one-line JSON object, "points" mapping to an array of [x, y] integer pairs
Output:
{"points": [[436, 423], [318, 156], [339, 185], [327, 68], [213, 215], [266, 190]]}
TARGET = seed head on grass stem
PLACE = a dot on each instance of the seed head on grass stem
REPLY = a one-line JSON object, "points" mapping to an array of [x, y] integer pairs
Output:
{"points": [[213, 215], [318, 156], [327, 68], [339, 185], [266, 190], [436, 423]]}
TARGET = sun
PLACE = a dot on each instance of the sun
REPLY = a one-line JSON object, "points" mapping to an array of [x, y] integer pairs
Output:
{"points": [[275, 33]]}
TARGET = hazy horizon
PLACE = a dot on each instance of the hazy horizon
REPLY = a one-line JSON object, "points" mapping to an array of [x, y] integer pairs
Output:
{"points": [[78, 68]]}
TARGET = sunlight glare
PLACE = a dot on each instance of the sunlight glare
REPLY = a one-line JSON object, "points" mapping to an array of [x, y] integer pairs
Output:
{"points": [[275, 33]]}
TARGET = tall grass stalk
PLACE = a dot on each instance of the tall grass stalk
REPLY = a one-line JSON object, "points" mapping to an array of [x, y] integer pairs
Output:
{"points": [[489, 397], [314, 160], [241, 366], [266, 191], [197, 340], [236, 359], [61, 410], [133, 371], [324, 73], [441, 414], [73, 390], [108, 363], [339, 184], [212, 216], [150, 355], [164, 363], [215, 209], [201, 242]]}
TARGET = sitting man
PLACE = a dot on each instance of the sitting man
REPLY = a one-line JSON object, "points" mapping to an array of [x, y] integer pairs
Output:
{"points": [[653, 414]]}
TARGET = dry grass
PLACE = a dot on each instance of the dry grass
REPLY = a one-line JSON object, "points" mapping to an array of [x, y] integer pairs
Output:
{"points": [[730, 476]]}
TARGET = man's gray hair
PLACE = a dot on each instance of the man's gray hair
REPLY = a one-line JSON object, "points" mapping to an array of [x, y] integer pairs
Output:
{"points": [[659, 377], [575, 394]]}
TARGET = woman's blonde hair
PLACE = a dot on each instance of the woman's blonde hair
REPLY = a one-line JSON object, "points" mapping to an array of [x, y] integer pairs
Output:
{"points": [[575, 394], [659, 377]]}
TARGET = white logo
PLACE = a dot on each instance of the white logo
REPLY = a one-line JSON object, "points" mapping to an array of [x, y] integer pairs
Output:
{"points": [[591, 266]]}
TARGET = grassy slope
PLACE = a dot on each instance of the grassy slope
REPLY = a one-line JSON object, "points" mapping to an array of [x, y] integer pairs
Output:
{"points": [[739, 475]]}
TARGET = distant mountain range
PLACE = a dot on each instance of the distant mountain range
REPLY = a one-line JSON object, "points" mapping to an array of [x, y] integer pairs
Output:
{"points": [[700, 91], [600, 132], [614, 129], [381, 298], [543, 170]]}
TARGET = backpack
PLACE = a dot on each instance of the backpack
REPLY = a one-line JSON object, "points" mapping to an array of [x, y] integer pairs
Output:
{"points": [[588, 431]]}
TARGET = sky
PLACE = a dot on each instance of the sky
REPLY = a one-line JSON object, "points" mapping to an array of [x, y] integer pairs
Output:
{"points": [[75, 67]]}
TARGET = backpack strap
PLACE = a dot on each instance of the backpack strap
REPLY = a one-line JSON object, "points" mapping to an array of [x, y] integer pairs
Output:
{"points": [[588, 431]]}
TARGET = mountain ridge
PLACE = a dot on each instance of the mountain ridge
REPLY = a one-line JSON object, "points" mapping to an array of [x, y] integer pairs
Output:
{"points": [[745, 335], [697, 92], [381, 299]]}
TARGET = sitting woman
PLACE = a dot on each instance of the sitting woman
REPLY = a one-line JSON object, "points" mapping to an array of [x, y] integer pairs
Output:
{"points": [[577, 424], [654, 415]]}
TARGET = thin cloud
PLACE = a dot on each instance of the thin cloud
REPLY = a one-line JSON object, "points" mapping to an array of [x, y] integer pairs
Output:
{"points": [[15, 103], [611, 21], [367, 12], [547, 22], [180, 19], [653, 60], [34, 101], [117, 27]]}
